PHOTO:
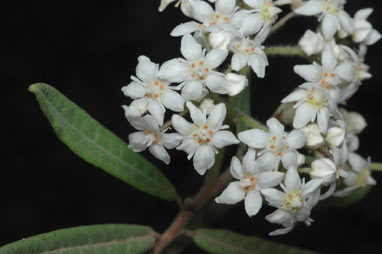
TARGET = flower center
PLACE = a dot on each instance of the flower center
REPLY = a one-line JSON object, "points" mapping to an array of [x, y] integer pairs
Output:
{"points": [[156, 89], [199, 70], [155, 136], [278, 145], [248, 182], [218, 18], [362, 178], [267, 12], [328, 79], [203, 134], [245, 46], [316, 98], [332, 6], [293, 201]]}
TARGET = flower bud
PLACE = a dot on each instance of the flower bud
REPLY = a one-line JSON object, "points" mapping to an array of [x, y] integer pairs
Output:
{"points": [[207, 104], [311, 43], [355, 121], [300, 159], [324, 169], [236, 83], [285, 113], [220, 39], [353, 143], [335, 136], [313, 135]]}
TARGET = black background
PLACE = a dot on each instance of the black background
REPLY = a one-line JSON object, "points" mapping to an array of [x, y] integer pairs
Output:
{"points": [[88, 50]]}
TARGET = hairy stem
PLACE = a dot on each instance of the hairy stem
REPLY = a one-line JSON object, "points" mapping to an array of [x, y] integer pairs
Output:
{"points": [[376, 166], [285, 51]]}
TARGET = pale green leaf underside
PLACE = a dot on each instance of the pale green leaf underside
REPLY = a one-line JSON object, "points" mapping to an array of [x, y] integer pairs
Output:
{"points": [[97, 239], [226, 242], [97, 145]]}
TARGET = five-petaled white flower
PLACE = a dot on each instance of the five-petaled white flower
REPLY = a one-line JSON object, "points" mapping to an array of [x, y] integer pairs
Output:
{"points": [[150, 93], [150, 136], [251, 182], [331, 13], [250, 52], [276, 145], [295, 203], [201, 139], [197, 71]]}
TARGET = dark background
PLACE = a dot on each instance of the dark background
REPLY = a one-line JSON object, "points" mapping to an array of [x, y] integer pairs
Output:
{"points": [[88, 50]]}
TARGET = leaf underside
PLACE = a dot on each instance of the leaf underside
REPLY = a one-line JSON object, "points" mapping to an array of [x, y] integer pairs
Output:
{"points": [[96, 239], [226, 242], [97, 145]]}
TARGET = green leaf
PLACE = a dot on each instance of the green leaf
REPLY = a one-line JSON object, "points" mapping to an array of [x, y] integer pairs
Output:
{"points": [[243, 100], [98, 146], [96, 239], [226, 242]]}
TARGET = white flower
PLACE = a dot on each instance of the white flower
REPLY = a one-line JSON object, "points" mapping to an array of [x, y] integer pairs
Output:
{"points": [[184, 6], [236, 83], [312, 43], [151, 137], [360, 177], [151, 93], [295, 203], [276, 145], [355, 122], [201, 139], [313, 135], [249, 52], [197, 71], [207, 105], [311, 103], [264, 14], [324, 169], [335, 136], [251, 182], [363, 30], [331, 13]]}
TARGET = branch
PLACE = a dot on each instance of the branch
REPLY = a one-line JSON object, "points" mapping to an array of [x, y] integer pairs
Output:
{"points": [[376, 166]]}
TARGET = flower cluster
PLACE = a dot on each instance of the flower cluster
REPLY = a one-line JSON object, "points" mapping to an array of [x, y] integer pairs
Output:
{"points": [[274, 169]]}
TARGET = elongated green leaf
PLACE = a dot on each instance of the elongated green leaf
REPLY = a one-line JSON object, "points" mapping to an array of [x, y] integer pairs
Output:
{"points": [[97, 145], [97, 239], [226, 242]]}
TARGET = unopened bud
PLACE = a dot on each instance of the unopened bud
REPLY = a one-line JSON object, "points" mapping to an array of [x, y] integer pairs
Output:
{"points": [[311, 43], [335, 136], [236, 83], [313, 135]]}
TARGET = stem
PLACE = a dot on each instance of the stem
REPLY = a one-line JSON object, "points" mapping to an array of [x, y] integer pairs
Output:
{"points": [[285, 51], [376, 166], [282, 21]]}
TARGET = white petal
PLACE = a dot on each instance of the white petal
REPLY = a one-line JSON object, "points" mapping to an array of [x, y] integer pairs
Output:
{"points": [[172, 100], [275, 127], [281, 231], [170, 140], [217, 116], [174, 71], [289, 160], [329, 26], [160, 153], [256, 4], [225, 6], [156, 110], [150, 123], [311, 186], [217, 83], [216, 57], [249, 161], [357, 162], [323, 119], [192, 90], [279, 216], [268, 161], [373, 37], [345, 71], [186, 28], [236, 83], [134, 90], [329, 61], [304, 114], [346, 21], [310, 72], [224, 138], [310, 8], [233, 194], [189, 146], [297, 95], [269, 179], [204, 159], [190, 49], [257, 66], [363, 13], [292, 180], [253, 202], [236, 169], [273, 196], [182, 126], [146, 70], [138, 107], [201, 11], [296, 139], [238, 61], [138, 141], [251, 24], [254, 138], [196, 114]]}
